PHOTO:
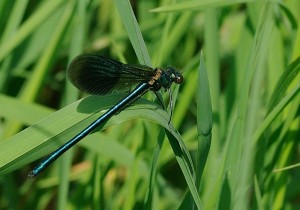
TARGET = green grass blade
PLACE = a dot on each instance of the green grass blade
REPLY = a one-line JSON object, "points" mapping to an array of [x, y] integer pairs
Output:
{"points": [[199, 5], [20, 111], [204, 119], [51, 132], [184, 160], [133, 31]]}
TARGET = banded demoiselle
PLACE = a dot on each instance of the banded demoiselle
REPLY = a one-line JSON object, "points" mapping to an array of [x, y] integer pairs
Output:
{"points": [[98, 75]]}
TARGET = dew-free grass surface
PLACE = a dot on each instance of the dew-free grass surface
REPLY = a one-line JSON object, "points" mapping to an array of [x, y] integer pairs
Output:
{"points": [[233, 139]]}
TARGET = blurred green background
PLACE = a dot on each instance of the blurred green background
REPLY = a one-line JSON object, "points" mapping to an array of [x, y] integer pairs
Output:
{"points": [[250, 54]]}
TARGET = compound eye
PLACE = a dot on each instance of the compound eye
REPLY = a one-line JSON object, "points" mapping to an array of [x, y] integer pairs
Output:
{"points": [[178, 79]]}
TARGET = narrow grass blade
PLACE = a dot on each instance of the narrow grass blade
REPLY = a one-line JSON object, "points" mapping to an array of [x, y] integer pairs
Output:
{"points": [[204, 119], [51, 132], [133, 31], [198, 5]]}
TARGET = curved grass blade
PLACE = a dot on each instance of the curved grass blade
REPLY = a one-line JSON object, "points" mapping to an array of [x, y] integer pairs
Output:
{"points": [[51, 132]]}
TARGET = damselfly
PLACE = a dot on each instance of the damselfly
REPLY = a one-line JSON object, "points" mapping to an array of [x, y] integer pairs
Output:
{"points": [[99, 75]]}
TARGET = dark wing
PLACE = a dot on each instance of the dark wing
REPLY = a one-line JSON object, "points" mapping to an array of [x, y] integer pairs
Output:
{"points": [[99, 75]]}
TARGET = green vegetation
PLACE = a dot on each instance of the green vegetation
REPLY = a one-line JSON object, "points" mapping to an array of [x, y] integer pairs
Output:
{"points": [[233, 140]]}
